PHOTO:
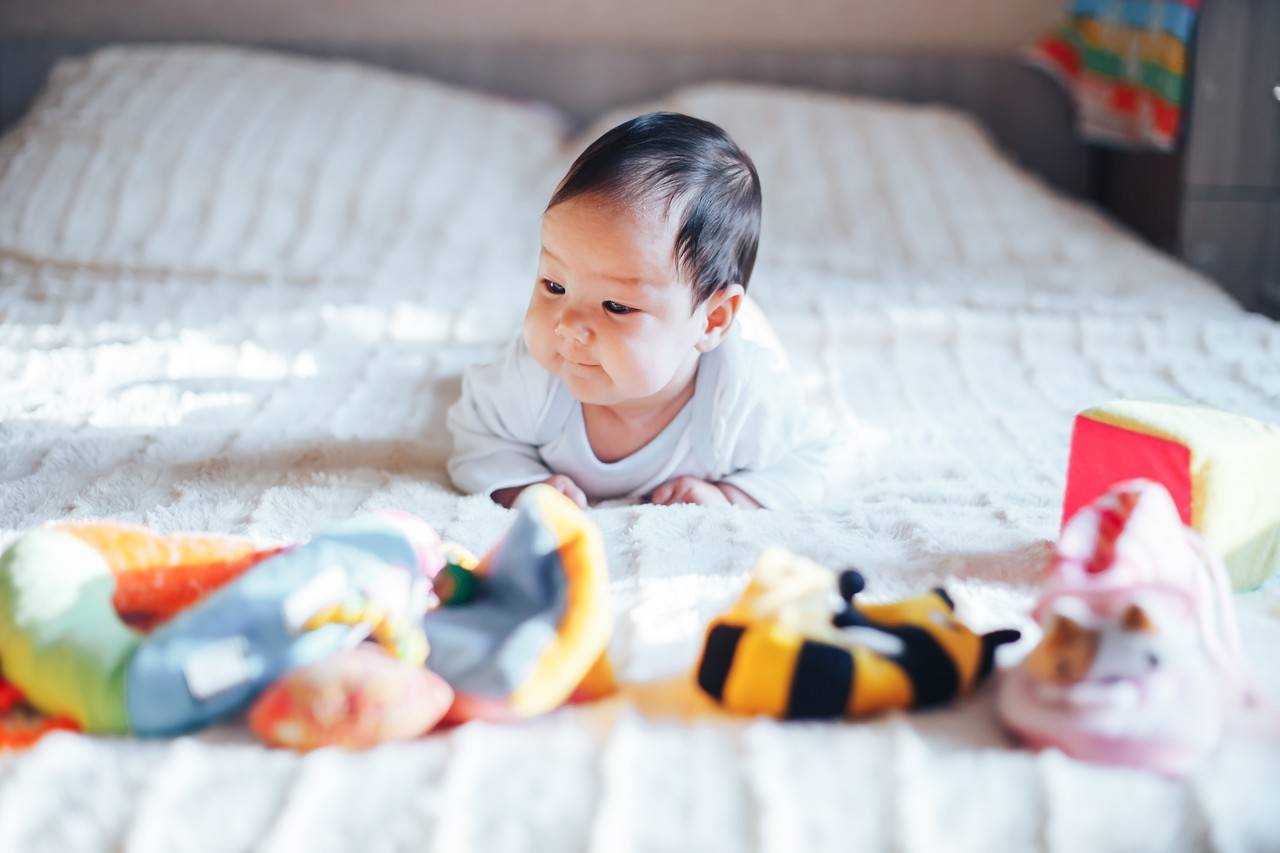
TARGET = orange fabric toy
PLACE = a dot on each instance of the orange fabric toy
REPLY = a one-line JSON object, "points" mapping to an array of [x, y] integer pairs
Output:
{"points": [[159, 574]]}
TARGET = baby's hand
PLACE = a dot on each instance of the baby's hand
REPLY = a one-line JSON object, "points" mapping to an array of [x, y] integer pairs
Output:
{"points": [[568, 488], [559, 482], [691, 490]]}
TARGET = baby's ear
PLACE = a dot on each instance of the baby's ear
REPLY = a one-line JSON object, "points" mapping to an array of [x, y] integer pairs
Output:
{"points": [[719, 312]]}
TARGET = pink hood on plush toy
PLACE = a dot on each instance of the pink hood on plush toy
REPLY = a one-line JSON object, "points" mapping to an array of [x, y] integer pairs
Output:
{"points": [[1130, 542]]}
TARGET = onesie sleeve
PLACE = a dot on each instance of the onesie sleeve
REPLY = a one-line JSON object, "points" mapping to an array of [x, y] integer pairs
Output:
{"points": [[495, 421], [775, 448]]}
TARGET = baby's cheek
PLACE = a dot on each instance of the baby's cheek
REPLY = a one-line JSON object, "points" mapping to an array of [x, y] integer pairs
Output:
{"points": [[538, 337], [645, 367]]}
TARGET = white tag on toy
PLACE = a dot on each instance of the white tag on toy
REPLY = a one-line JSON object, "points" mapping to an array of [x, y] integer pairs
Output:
{"points": [[393, 590], [875, 640], [325, 589], [217, 667]]}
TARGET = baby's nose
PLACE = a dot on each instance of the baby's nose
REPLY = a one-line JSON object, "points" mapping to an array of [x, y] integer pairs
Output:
{"points": [[573, 329]]}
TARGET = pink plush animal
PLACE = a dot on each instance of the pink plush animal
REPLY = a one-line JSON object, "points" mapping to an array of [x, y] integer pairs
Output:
{"points": [[1140, 663]]}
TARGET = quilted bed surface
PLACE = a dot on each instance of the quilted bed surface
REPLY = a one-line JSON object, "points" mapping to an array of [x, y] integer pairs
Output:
{"points": [[237, 292]]}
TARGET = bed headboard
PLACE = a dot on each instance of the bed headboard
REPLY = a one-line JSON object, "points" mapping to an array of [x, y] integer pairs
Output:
{"points": [[1026, 112]]}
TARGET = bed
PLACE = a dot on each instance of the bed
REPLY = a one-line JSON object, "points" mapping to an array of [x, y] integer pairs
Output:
{"points": [[237, 290]]}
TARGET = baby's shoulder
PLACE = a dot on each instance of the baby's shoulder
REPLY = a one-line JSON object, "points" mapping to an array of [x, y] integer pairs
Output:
{"points": [[748, 375], [753, 414], [748, 398]]}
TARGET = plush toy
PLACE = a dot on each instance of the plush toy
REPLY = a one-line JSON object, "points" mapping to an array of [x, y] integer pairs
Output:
{"points": [[797, 645], [1222, 471], [357, 698], [1140, 661], [529, 627], [63, 645], [516, 634]]}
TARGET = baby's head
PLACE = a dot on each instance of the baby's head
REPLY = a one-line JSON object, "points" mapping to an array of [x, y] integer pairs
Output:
{"points": [[647, 249]]}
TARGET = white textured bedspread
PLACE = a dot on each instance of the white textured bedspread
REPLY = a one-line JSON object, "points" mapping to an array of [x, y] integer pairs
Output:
{"points": [[948, 312]]}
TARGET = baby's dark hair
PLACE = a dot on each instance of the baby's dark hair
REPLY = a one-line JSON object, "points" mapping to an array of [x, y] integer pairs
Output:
{"points": [[690, 165]]}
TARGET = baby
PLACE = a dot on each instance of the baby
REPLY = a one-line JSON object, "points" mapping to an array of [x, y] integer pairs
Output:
{"points": [[631, 378]]}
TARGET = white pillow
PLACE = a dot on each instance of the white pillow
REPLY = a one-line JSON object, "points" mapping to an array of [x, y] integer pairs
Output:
{"points": [[227, 161], [863, 185]]}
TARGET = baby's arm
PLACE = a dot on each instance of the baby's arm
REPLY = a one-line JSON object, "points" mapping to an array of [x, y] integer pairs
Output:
{"points": [[494, 424], [796, 479], [765, 439], [776, 451]]}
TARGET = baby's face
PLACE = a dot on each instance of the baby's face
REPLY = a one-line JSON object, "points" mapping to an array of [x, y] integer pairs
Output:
{"points": [[610, 315]]}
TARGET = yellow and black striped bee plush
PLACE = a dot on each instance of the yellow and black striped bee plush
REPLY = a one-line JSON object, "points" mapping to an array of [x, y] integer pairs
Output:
{"points": [[795, 645]]}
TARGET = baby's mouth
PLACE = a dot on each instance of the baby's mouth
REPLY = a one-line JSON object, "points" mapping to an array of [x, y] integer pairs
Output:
{"points": [[579, 362]]}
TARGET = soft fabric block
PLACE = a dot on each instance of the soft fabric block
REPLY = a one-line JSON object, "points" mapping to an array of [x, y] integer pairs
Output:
{"points": [[1222, 470]]}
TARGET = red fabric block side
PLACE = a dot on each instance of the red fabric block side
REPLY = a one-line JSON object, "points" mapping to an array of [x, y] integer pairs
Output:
{"points": [[1103, 455]]}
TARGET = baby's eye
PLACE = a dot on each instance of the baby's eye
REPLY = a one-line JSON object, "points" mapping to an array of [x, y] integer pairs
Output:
{"points": [[616, 307], [552, 287]]}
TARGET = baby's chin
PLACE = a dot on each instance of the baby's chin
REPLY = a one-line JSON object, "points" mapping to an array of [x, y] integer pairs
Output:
{"points": [[595, 387], [590, 385]]}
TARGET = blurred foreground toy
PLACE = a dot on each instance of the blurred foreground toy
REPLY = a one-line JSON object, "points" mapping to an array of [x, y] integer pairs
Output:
{"points": [[528, 628], [519, 633], [513, 635], [1140, 662], [65, 647], [797, 645], [1221, 470]]}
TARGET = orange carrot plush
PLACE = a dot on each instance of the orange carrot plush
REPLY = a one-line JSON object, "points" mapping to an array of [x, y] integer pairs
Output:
{"points": [[159, 574]]}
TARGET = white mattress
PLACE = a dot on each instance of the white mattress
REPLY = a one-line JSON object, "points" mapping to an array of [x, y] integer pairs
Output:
{"points": [[203, 329]]}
